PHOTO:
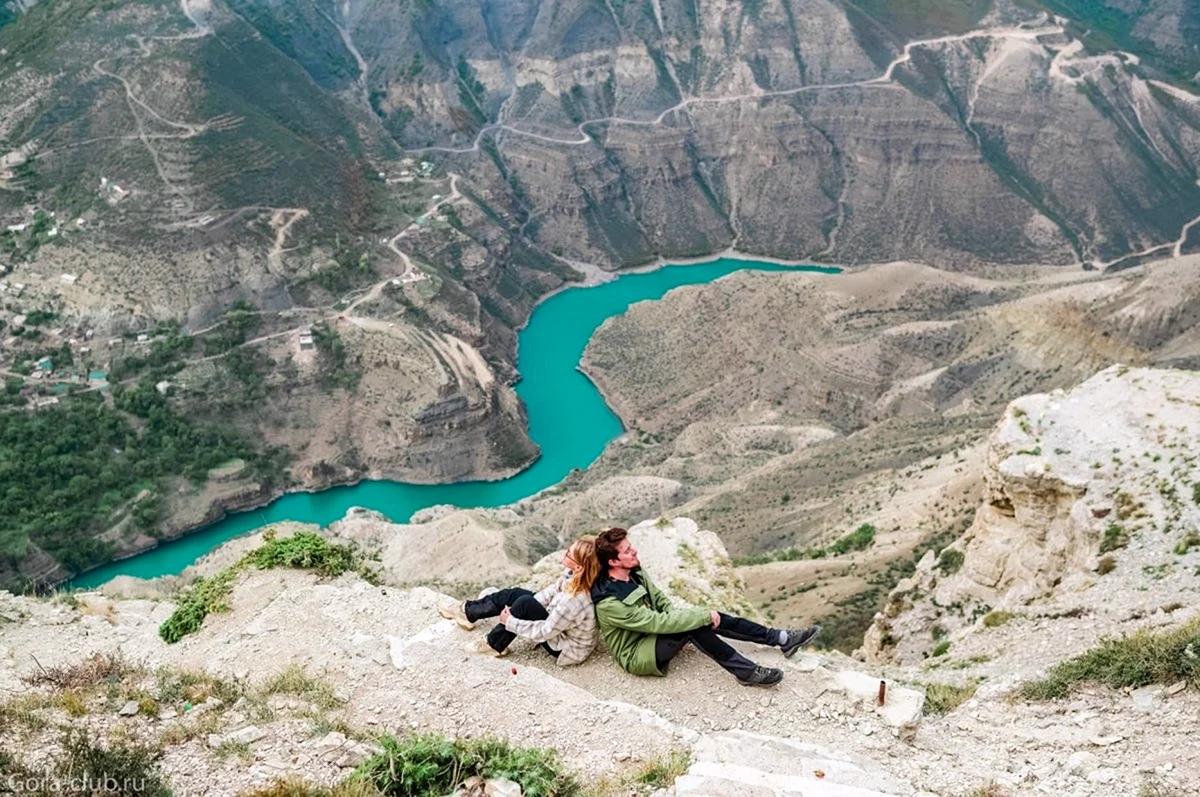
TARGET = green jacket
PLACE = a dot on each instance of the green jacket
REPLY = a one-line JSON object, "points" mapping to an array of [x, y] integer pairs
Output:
{"points": [[631, 614]]}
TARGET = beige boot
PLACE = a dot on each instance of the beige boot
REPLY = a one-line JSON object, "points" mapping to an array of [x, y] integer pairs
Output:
{"points": [[458, 614], [482, 646]]}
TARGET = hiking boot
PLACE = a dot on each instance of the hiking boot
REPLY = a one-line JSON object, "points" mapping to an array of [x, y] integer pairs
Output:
{"points": [[762, 676], [482, 646], [798, 638], [458, 614]]}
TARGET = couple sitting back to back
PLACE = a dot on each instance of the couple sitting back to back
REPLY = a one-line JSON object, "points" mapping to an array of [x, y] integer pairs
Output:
{"points": [[604, 585]]}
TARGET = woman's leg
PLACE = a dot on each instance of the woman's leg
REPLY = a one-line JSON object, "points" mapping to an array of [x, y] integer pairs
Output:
{"points": [[491, 605], [525, 607]]}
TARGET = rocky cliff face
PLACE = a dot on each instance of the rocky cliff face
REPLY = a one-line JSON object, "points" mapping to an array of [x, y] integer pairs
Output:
{"points": [[797, 129], [1089, 510]]}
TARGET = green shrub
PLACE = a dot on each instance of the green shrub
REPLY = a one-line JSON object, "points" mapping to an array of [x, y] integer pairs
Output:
{"points": [[430, 765], [950, 560], [1135, 660], [998, 618], [1114, 537], [1192, 540], [307, 550], [205, 596], [859, 539], [940, 649], [944, 698]]}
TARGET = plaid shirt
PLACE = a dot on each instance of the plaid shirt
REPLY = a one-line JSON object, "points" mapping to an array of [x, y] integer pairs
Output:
{"points": [[571, 627]]}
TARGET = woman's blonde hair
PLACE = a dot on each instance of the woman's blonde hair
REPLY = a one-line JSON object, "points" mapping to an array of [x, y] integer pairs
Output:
{"points": [[583, 551]]}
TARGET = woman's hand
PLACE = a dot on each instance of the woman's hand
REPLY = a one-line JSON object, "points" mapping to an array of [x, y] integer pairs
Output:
{"points": [[716, 618], [504, 615]]}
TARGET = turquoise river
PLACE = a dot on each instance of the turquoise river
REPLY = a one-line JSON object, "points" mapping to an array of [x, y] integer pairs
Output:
{"points": [[568, 419]]}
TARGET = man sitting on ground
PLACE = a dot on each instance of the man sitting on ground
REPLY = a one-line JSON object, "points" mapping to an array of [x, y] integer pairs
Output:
{"points": [[643, 631]]}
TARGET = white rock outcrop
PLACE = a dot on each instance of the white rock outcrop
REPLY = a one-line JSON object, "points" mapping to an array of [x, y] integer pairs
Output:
{"points": [[1107, 467]]}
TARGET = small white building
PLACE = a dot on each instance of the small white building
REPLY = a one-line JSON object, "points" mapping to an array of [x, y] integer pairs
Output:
{"points": [[70, 279], [142, 338], [163, 387]]}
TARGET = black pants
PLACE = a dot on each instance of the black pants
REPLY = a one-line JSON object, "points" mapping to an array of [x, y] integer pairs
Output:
{"points": [[708, 641], [520, 602]]}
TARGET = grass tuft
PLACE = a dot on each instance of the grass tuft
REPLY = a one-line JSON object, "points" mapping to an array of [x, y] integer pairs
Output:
{"points": [[1155, 788], [99, 669], [1106, 565], [1135, 660], [990, 790], [296, 681], [135, 767], [662, 773], [431, 765], [997, 618], [294, 787], [944, 698]]}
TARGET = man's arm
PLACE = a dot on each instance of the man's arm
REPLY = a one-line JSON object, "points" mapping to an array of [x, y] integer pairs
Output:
{"points": [[658, 600], [612, 612]]}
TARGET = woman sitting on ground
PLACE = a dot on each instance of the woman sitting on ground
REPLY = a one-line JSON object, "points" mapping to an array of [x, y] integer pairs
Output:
{"points": [[560, 617]]}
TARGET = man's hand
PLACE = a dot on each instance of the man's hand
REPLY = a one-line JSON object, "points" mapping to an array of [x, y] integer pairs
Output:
{"points": [[716, 618], [505, 614]]}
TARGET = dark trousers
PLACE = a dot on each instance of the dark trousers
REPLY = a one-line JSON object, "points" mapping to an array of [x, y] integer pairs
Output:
{"points": [[708, 641], [520, 602]]}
